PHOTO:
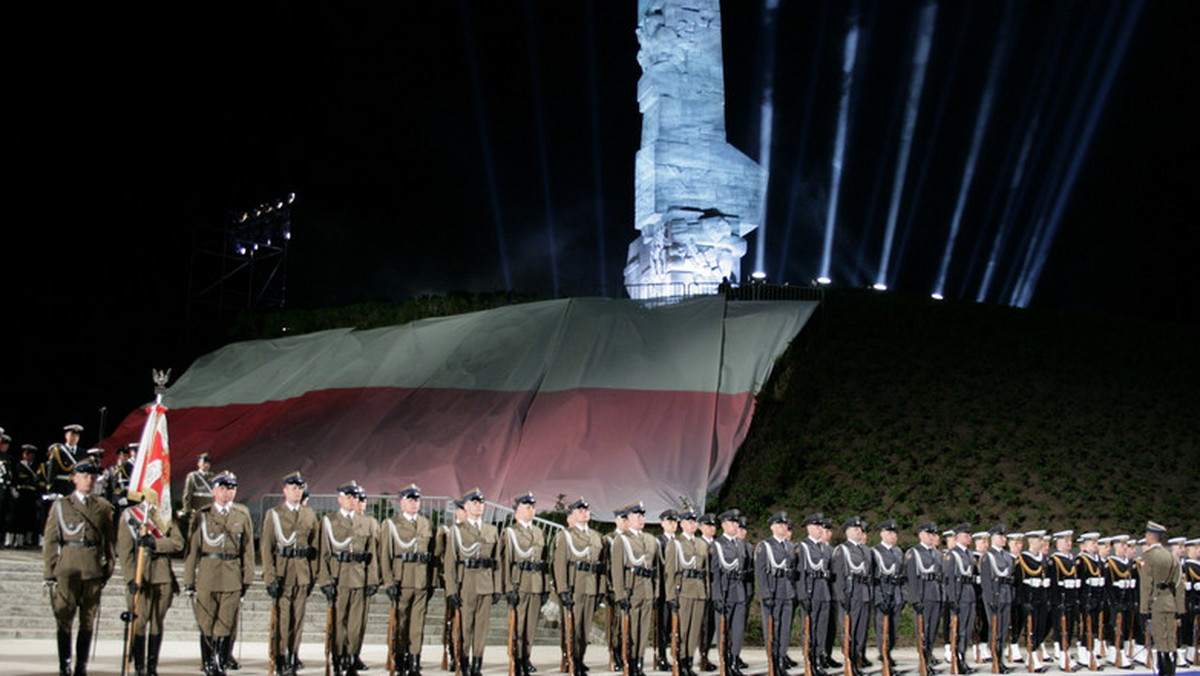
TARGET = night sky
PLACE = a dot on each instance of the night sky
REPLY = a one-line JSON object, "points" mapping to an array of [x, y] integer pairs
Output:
{"points": [[131, 127]]}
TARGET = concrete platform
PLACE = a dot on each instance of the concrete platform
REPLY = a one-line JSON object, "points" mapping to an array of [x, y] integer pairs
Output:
{"points": [[29, 657]]}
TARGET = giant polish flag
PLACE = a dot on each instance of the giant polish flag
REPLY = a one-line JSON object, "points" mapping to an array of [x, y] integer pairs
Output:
{"points": [[609, 399]]}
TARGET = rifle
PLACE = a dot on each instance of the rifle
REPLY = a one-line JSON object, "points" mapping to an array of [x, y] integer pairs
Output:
{"points": [[808, 656], [1091, 644], [273, 636], [770, 641], [848, 665], [512, 642], [131, 623], [391, 658], [447, 639], [1029, 639], [922, 667], [1103, 645], [329, 639], [954, 644], [612, 621], [1117, 638], [569, 627], [992, 641], [458, 642], [887, 653], [675, 641], [626, 638], [1066, 640]]}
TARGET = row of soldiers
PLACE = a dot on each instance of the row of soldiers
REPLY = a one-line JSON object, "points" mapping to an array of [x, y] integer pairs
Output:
{"points": [[690, 579], [29, 485]]}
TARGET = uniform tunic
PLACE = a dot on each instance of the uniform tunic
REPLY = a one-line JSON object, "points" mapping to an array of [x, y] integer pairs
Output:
{"points": [[79, 553], [1162, 597], [1034, 579], [406, 559], [852, 587], [814, 568], [219, 563], [158, 585], [997, 569], [732, 564], [288, 549], [523, 572], [888, 593], [472, 573], [579, 571], [687, 583], [347, 560], [924, 573], [1064, 596], [774, 568], [958, 572], [635, 581]]}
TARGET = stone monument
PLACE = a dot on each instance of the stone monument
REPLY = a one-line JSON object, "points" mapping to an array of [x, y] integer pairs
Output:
{"points": [[695, 195]]}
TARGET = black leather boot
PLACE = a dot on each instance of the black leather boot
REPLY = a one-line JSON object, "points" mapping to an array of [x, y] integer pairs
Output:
{"points": [[476, 666], [414, 666], [83, 647], [153, 648], [64, 653], [227, 661], [358, 663], [138, 648], [529, 668]]}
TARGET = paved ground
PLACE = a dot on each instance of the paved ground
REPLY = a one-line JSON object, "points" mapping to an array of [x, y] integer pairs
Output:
{"points": [[26, 657]]}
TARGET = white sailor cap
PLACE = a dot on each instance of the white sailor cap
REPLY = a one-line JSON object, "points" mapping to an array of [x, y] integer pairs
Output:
{"points": [[947, 533], [979, 535], [1194, 542], [1034, 533], [1015, 536], [1063, 534], [1105, 540], [1090, 535], [1119, 538], [1176, 541]]}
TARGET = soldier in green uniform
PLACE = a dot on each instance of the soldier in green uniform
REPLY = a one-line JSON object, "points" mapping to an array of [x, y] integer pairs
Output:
{"points": [[1162, 597], [579, 577], [197, 488], [406, 557], [444, 531], [687, 587], [347, 573], [79, 557], [377, 535], [634, 576], [473, 578], [158, 584], [668, 520], [288, 549], [616, 649], [523, 577], [218, 569]]}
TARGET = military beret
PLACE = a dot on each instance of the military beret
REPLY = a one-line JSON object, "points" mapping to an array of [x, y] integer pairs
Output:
{"points": [[687, 515], [962, 528], [579, 503], [349, 488], [294, 479], [1063, 534], [853, 522], [998, 529], [779, 517], [227, 479], [813, 519], [889, 524], [411, 491], [729, 515], [1090, 535], [1154, 527], [76, 428], [669, 515], [524, 499], [473, 495], [710, 519], [928, 527], [86, 467]]}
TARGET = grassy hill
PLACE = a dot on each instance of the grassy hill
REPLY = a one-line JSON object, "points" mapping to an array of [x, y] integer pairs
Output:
{"points": [[899, 407]]}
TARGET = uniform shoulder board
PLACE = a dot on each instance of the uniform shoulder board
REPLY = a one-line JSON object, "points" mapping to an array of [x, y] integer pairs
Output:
{"points": [[239, 507]]}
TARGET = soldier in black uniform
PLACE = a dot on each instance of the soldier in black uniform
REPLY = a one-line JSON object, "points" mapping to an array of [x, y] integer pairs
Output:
{"points": [[814, 567], [922, 565], [1091, 597], [6, 463], [1064, 598], [958, 571], [997, 569], [731, 565], [61, 458], [1191, 583], [1122, 599], [889, 584], [26, 493], [669, 521], [852, 588], [773, 566], [1016, 628], [1034, 582]]}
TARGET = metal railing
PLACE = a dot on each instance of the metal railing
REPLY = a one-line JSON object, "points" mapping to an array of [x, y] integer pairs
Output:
{"points": [[675, 291], [437, 508]]}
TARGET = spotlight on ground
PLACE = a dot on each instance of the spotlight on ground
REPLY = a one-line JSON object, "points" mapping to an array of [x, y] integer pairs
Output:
{"points": [[824, 280], [936, 296], [879, 286], [758, 276]]}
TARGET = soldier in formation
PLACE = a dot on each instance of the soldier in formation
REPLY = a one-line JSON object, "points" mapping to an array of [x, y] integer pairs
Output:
{"points": [[288, 550], [579, 579], [523, 579], [407, 559], [347, 574], [472, 579], [145, 547]]}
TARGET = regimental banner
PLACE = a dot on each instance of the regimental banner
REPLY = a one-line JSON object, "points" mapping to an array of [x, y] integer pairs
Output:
{"points": [[151, 477]]}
